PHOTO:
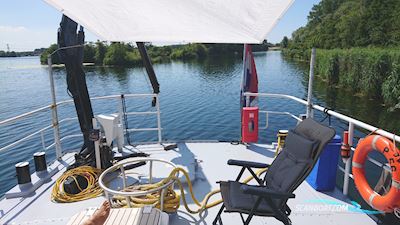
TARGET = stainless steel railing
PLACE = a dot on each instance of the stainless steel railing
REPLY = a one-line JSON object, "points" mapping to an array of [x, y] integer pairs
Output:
{"points": [[56, 122], [352, 124]]}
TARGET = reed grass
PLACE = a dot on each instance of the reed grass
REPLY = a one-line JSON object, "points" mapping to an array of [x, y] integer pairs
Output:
{"points": [[373, 72]]}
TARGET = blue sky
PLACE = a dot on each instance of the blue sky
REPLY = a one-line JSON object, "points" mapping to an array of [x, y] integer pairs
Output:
{"points": [[30, 24]]}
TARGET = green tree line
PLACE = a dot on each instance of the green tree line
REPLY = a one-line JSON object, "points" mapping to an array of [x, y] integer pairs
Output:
{"points": [[35, 52], [350, 23], [126, 54], [358, 45]]}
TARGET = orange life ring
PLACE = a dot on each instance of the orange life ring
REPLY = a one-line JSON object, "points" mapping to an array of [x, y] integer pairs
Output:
{"points": [[391, 200]]}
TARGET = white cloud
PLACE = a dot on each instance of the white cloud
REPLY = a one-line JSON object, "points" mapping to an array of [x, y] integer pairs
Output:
{"points": [[12, 29], [21, 38]]}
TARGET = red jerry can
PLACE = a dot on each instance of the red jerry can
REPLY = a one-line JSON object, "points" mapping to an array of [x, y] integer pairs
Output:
{"points": [[250, 124]]}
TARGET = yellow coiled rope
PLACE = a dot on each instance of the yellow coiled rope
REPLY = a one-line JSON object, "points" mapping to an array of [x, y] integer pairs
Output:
{"points": [[171, 198], [92, 190]]}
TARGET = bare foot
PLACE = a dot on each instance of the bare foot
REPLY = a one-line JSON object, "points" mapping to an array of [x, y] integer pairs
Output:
{"points": [[100, 216]]}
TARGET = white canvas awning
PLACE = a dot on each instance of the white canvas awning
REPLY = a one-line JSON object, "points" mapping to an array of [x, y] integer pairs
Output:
{"points": [[205, 21]]}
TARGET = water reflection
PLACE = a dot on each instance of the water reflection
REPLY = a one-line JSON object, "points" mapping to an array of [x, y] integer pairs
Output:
{"points": [[367, 110], [218, 67], [199, 100]]}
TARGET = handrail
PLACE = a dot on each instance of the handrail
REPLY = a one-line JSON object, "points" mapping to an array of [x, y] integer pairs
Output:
{"points": [[330, 112], [374, 161], [40, 131], [281, 113], [15, 118], [24, 138], [317, 107], [352, 123], [49, 107]]}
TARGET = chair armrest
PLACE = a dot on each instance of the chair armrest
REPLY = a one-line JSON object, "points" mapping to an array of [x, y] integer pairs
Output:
{"points": [[234, 162], [265, 192]]}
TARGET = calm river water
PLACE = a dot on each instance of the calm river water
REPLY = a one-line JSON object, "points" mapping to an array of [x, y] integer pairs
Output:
{"points": [[199, 101]]}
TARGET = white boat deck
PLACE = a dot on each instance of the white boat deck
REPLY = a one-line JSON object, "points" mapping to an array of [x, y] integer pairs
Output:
{"points": [[206, 162]]}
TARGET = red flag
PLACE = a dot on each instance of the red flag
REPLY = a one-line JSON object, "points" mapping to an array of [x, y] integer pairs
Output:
{"points": [[250, 79]]}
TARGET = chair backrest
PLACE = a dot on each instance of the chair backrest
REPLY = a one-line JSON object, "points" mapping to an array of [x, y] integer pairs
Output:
{"points": [[313, 130], [303, 146]]}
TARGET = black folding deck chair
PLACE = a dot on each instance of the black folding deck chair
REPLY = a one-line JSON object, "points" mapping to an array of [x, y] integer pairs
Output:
{"points": [[302, 148]]}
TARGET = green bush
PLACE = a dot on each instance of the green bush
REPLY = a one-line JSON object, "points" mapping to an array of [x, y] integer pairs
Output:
{"points": [[121, 54], [54, 58], [190, 51], [89, 52], [100, 54], [117, 55], [133, 58], [297, 54]]}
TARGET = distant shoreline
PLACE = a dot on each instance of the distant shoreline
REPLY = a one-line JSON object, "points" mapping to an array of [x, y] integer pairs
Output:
{"points": [[127, 54], [23, 56], [19, 56], [13, 54]]}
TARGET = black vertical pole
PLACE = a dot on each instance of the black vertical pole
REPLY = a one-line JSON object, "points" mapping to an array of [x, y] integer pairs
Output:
{"points": [[76, 80], [149, 69]]}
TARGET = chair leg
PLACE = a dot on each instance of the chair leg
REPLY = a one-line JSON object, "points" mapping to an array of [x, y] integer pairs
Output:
{"points": [[251, 214], [279, 214], [243, 220], [218, 217], [248, 219], [285, 220]]}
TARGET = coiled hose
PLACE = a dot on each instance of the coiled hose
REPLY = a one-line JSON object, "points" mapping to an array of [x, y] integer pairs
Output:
{"points": [[92, 190], [171, 198]]}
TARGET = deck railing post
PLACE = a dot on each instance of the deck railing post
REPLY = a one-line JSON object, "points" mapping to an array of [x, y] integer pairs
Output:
{"points": [[348, 162], [121, 129], [158, 119], [54, 114], [310, 85], [97, 145], [121, 111]]}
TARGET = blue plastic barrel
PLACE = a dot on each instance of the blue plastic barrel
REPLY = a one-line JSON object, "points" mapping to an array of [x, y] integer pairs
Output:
{"points": [[323, 176]]}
